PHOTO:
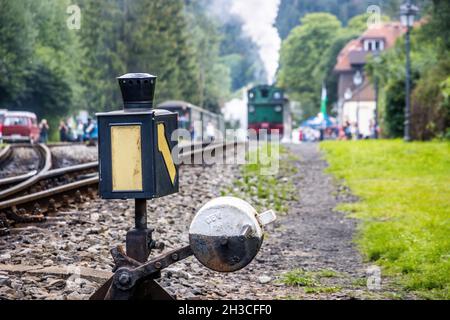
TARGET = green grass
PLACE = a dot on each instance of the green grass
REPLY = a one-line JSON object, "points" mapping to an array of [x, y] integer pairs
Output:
{"points": [[299, 277], [265, 183], [310, 280], [322, 289], [327, 273], [404, 192], [360, 282]]}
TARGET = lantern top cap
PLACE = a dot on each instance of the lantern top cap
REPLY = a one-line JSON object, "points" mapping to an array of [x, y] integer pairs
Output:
{"points": [[138, 90], [137, 76]]}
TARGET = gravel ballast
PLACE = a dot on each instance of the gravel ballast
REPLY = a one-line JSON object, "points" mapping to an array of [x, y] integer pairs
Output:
{"points": [[311, 236]]}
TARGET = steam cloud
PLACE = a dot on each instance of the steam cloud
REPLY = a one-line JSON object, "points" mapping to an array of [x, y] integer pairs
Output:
{"points": [[259, 18]]}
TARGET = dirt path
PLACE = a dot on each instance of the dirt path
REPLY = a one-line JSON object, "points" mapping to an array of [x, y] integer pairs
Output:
{"points": [[315, 238]]}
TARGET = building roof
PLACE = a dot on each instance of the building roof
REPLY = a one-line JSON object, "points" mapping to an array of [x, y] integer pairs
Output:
{"points": [[353, 52]]}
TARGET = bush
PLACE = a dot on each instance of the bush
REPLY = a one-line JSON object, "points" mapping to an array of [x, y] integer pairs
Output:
{"points": [[429, 114]]}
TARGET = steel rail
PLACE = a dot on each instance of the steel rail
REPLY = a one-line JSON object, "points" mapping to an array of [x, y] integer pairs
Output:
{"points": [[62, 171], [48, 193], [46, 157], [17, 179], [49, 174], [5, 154], [209, 147], [65, 144]]}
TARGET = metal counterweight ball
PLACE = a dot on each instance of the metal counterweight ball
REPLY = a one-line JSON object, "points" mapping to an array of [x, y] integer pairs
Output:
{"points": [[225, 235]]}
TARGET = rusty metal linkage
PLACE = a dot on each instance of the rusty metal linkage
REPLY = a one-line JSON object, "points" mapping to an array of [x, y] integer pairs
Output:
{"points": [[132, 279]]}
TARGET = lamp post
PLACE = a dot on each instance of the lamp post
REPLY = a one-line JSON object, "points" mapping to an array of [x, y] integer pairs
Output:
{"points": [[407, 13], [357, 81], [377, 60]]}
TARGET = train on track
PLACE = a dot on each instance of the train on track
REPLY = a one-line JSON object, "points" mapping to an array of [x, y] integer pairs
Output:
{"points": [[198, 121], [269, 109]]}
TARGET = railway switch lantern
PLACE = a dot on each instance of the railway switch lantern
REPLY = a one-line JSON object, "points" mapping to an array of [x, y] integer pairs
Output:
{"points": [[135, 161], [135, 146]]}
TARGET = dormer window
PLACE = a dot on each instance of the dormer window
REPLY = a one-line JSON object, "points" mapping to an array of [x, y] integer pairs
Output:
{"points": [[373, 45]]}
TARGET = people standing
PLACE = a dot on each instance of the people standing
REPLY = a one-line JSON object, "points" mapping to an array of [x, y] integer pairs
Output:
{"points": [[80, 130], [44, 128], [348, 130], [62, 131], [92, 131]]}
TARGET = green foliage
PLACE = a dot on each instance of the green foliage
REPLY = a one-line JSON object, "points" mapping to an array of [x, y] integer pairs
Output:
{"points": [[299, 277], [327, 273], [303, 67], [213, 75], [430, 111], [241, 55], [437, 29], [395, 106], [16, 46], [309, 280], [42, 59], [102, 47], [291, 12], [404, 207], [136, 36], [322, 289]]}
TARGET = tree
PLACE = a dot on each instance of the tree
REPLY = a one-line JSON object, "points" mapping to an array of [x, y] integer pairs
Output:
{"points": [[122, 36], [291, 12], [301, 72], [158, 41], [17, 37], [55, 65], [40, 56], [214, 79], [240, 54], [101, 38]]}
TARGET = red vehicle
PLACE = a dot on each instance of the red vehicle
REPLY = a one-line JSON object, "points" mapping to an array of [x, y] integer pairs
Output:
{"points": [[20, 126]]}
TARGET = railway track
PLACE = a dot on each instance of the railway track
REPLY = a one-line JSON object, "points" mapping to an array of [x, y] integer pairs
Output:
{"points": [[24, 181], [5, 155], [32, 200]]}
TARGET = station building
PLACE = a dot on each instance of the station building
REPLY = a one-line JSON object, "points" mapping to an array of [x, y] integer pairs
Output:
{"points": [[356, 95]]}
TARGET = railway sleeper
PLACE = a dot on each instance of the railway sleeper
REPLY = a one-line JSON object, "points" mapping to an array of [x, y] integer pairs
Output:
{"points": [[21, 216]]}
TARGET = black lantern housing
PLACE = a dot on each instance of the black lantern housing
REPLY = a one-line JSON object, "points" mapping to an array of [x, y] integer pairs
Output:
{"points": [[135, 144]]}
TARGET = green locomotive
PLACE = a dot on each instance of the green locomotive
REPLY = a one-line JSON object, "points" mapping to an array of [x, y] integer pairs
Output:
{"points": [[269, 109]]}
